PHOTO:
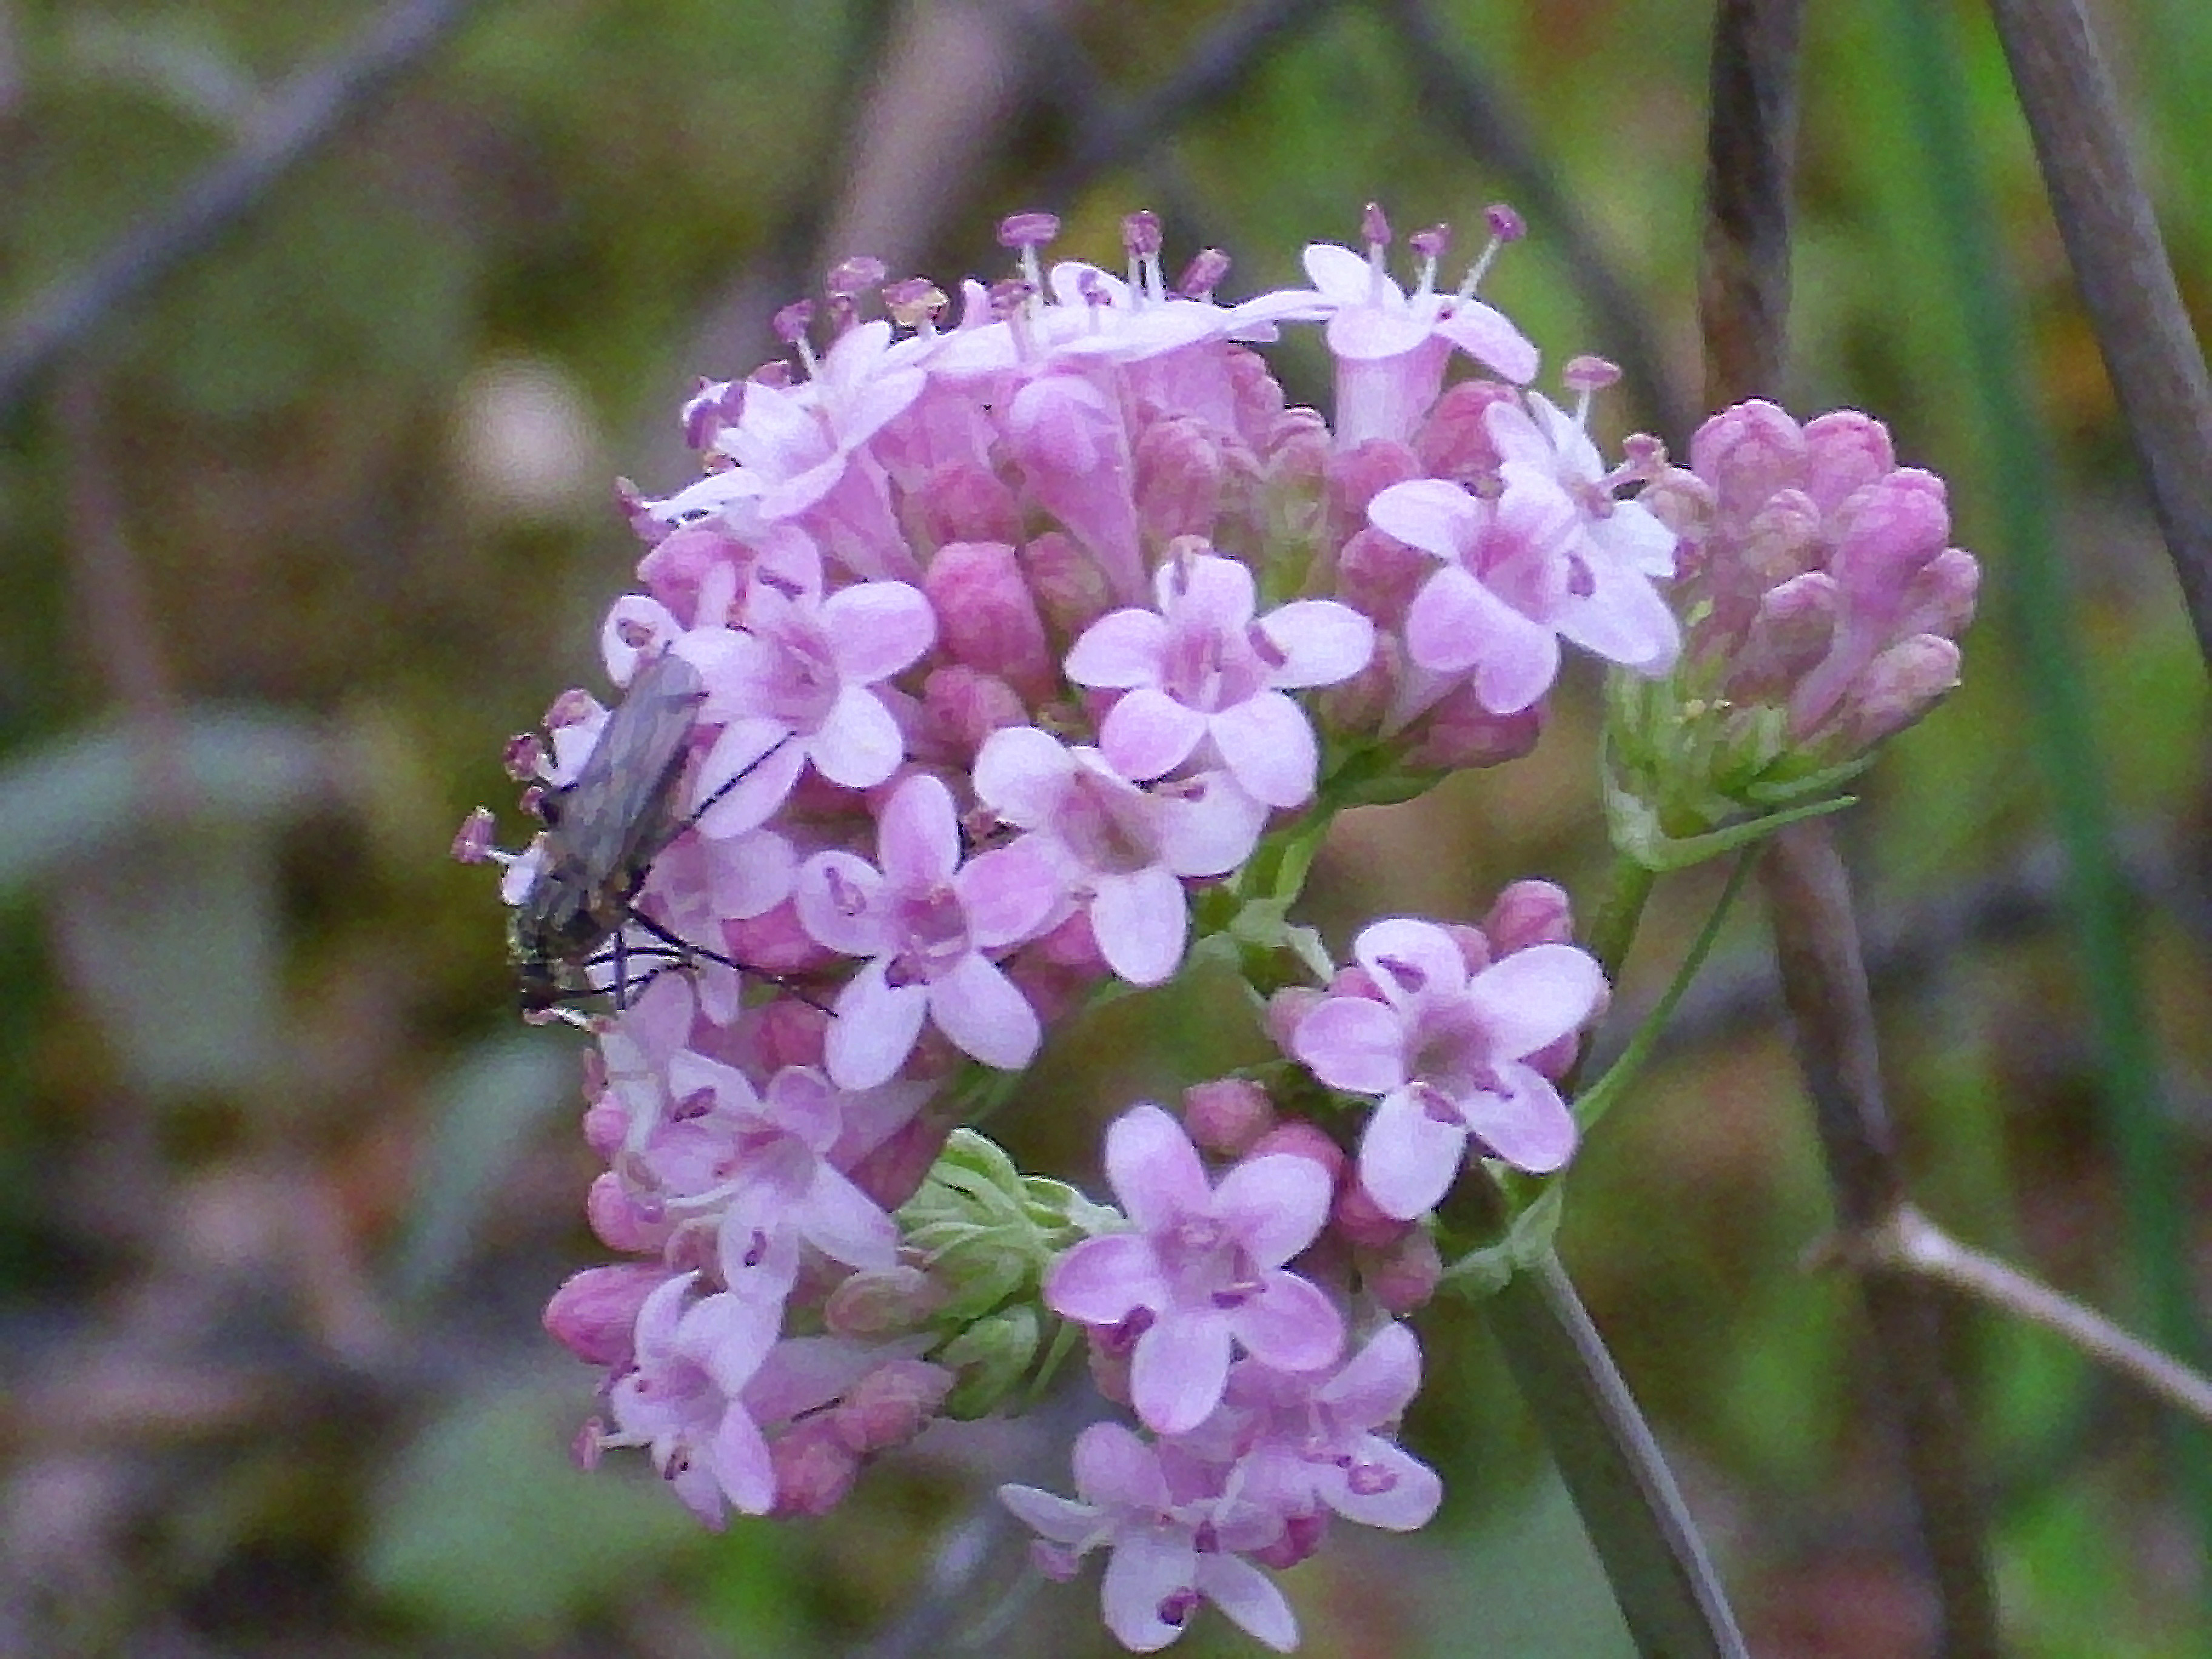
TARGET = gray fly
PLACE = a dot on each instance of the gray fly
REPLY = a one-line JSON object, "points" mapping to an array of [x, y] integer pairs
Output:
{"points": [[602, 834]]}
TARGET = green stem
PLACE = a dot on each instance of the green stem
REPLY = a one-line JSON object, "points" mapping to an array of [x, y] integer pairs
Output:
{"points": [[1612, 930]]}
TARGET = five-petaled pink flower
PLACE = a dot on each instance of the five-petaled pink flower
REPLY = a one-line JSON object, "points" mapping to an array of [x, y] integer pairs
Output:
{"points": [[1205, 1265], [1449, 1052], [1200, 670]]}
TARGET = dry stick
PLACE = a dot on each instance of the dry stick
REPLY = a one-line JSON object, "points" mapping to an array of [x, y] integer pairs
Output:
{"points": [[311, 109], [1910, 1243], [1744, 306], [2126, 280]]}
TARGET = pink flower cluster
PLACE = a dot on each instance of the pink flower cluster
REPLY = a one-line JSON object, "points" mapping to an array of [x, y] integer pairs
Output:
{"points": [[1005, 637]]}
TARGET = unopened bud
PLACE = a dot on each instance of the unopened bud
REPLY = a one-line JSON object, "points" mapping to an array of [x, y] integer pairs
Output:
{"points": [[987, 617], [1896, 689], [1845, 450], [1070, 588], [1529, 912], [1787, 638], [595, 1313], [1404, 1274], [891, 1405], [1179, 479], [1747, 452], [886, 1301], [1227, 1114]]}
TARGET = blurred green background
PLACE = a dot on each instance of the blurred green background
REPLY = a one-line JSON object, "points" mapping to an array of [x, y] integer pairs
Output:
{"points": [[295, 544]]}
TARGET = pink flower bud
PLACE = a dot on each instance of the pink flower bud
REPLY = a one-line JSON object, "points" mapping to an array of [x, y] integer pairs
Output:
{"points": [[888, 1303], [987, 617], [594, 1314], [1301, 1536], [1227, 1114], [606, 1125], [1529, 912], [814, 1469], [962, 502], [1746, 453], [1473, 945], [1787, 637], [1378, 576], [962, 706], [1360, 1222], [1070, 589], [1403, 1275], [1897, 687], [1300, 1138], [681, 562], [1940, 598], [1179, 479], [618, 1220], [774, 942], [1459, 732], [891, 1405], [1455, 442], [1845, 450], [472, 840], [1358, 476], [1884, 534]]}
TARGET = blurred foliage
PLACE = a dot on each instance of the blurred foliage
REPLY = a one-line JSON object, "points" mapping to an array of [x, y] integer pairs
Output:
{"points": [[294, 547]]}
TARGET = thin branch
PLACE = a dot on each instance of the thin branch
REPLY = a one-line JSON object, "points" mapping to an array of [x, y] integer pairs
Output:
{"points": [[1457, 93], [1910, 1243], [1751, 144], [313, 108], [1824, 982], [2127, 282]]}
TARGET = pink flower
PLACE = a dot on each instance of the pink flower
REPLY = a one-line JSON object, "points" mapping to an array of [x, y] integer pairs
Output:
{"points": [[679, 1398], [1165, 1555], [1449, 1053], [1121, 849], [1202, 669], [924, 921], [1518, 572], [797, 684], [1543, 441], [1204, 1263]]}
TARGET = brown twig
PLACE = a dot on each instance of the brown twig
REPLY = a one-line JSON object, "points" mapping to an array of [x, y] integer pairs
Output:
{"points": [[2126, 280]]}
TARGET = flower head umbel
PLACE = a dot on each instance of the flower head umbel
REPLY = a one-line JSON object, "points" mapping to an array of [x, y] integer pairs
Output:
{"points": [[1018, 644]]}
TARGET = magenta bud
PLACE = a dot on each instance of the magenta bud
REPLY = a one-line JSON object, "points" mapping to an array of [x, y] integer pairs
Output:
{"points": [[1358, 476], [606, 1126], [1474, 948], [774, 942], [1529, 912], [1453, 440], [1360, 1223], [1378, 576], [894, 1172], [1227, 1114], [814, 1469], [890, 1301], [1746, 453], [788, 1031], [891, 1405], [1070, 588], [1940, 598], [1404, 1274], [986, 616], [963, 503], [472, 842], [1789, 637], [1896, 689], [618, 1220], [1459, 733], [1845, 450], [1299, 1138], [1179, 478], [963, 706], [595, 1313], [1884, 534]]}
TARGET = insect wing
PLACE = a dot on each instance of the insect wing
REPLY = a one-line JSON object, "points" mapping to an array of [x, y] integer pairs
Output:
{"points": [[615, 817]]}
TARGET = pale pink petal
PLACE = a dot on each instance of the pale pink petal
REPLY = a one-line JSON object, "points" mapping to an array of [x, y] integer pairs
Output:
{"points": [[1534, 997], [1146, 1570], [1407, 957], [1341, 274], [839, 902], [1048, 1515], [1208, 592], [846, 1225], [1396, 1490], [875, 1028], [1021, 772], [1408, 1159], [1009, 893], [980, 1009], [1322, 642], [874, 629], [1250, 1598], [1102, 1281], [1377, 1384], [1209, 826], [1351, 1043], [858, 744], [1154, 1169], [1148, 733], [1484, 334], [1455, 624], [1429, 513], [1274, 1203], [1623, 619], [753, 765], [1123, 649], [1268, 746], [1179, 1369], [1141, 921], [1525, 1122], [1290, 1324], [740, 1459], [919, 839]]}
